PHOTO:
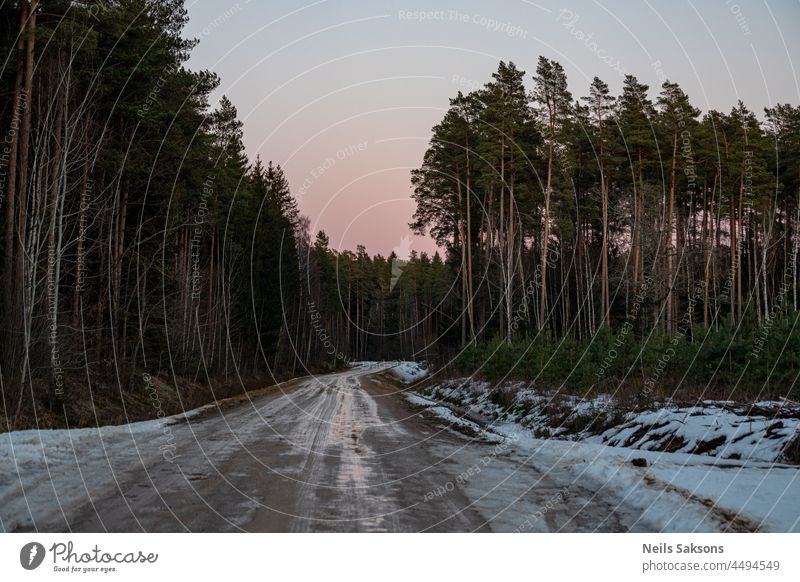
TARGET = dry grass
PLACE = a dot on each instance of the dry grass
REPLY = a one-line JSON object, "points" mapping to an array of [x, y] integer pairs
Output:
{"points": [[106, 404]]}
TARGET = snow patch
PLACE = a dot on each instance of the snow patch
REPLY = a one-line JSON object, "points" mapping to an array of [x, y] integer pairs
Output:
{"points": [[758, 432], [706, 430], [409, 372], [35, 464]]}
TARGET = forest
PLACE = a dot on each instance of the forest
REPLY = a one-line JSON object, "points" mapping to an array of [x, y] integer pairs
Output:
{"points": [[140, 242], [618, 242], [585, 242]]}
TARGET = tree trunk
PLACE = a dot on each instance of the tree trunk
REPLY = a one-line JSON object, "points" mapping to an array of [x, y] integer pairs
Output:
{"points": [[668, 247], [79, 261], [10, 232], [24, 145], [546, 230]]}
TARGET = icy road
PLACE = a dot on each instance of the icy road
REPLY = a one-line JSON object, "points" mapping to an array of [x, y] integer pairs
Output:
{"points": [[350, 452]]}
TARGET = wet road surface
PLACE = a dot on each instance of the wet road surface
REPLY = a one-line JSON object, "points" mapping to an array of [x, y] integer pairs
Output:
{"points": [[340, 452]]}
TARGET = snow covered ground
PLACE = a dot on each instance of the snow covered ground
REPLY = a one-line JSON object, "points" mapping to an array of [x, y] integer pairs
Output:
{"points": [[409, 372], [36, 465], [738, 481], [759, 432], [708, 429], [405, 372], [454, 421]]}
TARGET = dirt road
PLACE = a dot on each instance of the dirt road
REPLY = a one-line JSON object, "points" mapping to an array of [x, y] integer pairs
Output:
{"points": [[341, 452]]}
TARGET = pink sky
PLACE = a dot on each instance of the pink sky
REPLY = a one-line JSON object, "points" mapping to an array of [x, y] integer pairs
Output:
{"points": [[344, 93]]}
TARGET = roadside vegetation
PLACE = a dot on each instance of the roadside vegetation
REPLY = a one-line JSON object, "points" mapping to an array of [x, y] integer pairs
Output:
{"points": [[747, 362]]}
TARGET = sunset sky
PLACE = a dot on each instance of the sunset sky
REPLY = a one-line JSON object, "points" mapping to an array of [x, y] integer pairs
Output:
{"points": [[344, 94]]}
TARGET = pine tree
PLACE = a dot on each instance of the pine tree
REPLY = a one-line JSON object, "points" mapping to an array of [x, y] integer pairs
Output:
{"points": [[677, 120], [553, 100], [600, 104], [635, 118], [508, 137]]}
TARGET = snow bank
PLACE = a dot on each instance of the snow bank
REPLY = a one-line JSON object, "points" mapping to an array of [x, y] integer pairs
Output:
{"points": [[454, 421], [35, 465], [409, 372], [759, 432], [674, 491], [687, 493], [708, 430]]}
